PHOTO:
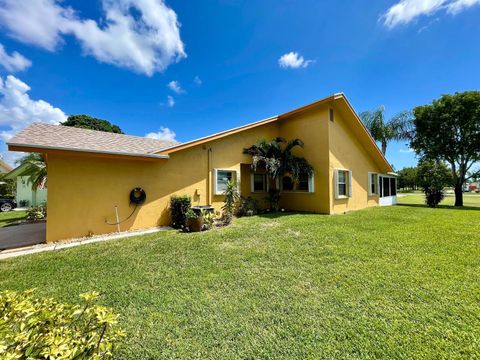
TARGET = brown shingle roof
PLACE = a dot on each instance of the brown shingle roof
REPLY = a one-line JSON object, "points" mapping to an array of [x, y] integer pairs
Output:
{"points": [[70, 138]]}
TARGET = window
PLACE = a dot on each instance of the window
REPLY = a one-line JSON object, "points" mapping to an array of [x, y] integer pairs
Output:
{"points": [[343, 184], [259, 182], [221, 179], [287, 183], [372, 184], [304, 184]]}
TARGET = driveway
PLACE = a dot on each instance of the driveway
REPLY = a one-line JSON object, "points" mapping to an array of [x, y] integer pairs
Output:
{"points": [[22, 235]]}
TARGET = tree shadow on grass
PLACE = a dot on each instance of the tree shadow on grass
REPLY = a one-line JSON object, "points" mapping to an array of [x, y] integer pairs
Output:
{"points": [[448, 207], [279, 214]]}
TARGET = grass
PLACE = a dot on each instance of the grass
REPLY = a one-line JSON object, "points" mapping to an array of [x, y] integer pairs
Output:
{"points": [[7, 218], [470, 200], [394, 282]]}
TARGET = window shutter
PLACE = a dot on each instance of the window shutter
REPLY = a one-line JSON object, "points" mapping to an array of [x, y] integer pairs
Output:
{"points": [[311, 184], [252, 180], [215, 189], [335, 181], [370, 183], [350, 183]]}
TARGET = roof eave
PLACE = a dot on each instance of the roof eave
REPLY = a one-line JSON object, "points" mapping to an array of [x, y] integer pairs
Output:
{"points": [[46, 149], [215, 136]]}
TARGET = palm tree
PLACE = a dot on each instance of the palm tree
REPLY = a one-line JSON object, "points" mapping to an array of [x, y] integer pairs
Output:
{"points": [[398, 127], [35, 169], [277, 158]]}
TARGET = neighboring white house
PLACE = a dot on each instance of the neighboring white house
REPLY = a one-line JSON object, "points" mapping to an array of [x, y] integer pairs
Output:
{"points": [[26, 196]]}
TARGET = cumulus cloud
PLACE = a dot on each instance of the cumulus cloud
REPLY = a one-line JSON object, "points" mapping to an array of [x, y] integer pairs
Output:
{"points": [[406, 151], [141, 35], [18, 110], [406, 11], [175, 87], [293, 60], [14, 62], [164, 134]]}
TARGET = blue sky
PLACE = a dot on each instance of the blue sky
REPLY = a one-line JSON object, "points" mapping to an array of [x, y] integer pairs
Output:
{"points": [[188, 69]]}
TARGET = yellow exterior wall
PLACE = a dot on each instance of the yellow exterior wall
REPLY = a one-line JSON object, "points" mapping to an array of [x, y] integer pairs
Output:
{"points": [[84, 190], [312, 128], [346, 152]]}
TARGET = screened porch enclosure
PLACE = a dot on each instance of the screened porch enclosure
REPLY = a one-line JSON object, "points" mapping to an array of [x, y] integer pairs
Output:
{"points": [[387, 190]]}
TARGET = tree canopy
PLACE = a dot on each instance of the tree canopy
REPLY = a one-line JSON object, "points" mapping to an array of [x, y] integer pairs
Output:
{"points": [[278, 159], [88, 122], [383, 131], [35, 168], [448, 129], [407, 178]]}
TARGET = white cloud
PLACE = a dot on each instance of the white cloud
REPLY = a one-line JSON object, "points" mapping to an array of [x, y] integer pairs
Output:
{"points": [[406, 11], [409, 150], [141, 35], [164, 134], [197, 81], [170, 101], [14, 62], [18, 110], [175, 86], [456, 6], [293, 60]]}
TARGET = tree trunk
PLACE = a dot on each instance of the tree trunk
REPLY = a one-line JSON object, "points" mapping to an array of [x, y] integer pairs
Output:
{"points": [[384, 147], [458, 194]]}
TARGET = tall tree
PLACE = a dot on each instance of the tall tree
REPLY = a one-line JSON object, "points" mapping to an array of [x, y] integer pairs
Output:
{"points": [[383, 131], [35, 168], [88, 122], [449, 130], [407, 178], [278, 159]]}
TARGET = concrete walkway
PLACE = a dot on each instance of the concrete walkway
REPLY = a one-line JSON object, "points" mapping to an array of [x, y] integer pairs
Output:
{"points": [[76, 242], [17, 236]]}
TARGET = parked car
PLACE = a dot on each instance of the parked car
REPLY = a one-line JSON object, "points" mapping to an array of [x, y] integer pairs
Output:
{"points": [[7, 204]]}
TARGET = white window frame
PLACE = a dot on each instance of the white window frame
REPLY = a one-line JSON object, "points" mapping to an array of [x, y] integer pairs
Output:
{"points": [[215, 177], [252, 185], [311, 186], [377, 184], [348, 187]]}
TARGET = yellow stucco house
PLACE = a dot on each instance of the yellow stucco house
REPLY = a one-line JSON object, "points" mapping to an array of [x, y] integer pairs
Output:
{"points": [[90, 172]]}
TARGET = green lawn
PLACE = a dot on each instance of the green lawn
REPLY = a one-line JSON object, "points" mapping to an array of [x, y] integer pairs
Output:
{"points": [[7, 218], [469, 199], [397, 282]]}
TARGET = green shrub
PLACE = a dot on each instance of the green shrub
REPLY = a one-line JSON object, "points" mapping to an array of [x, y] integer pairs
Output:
{"points": [[23, 203], [231, 202], [179, 205], [208, 219], [248, 206], [190, 214], [433, 197], [38, 328], [37, 213]]}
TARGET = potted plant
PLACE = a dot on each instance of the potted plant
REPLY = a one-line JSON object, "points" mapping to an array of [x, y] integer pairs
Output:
{"points": [[194, 221]]}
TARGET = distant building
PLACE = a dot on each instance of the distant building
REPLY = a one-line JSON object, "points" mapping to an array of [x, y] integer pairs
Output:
{"points": [[25, 195]]}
